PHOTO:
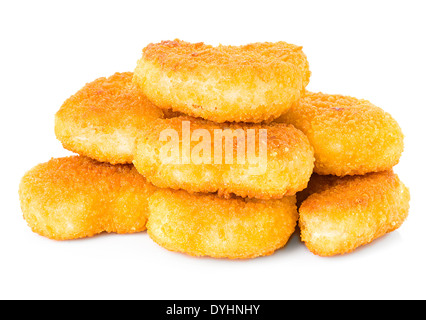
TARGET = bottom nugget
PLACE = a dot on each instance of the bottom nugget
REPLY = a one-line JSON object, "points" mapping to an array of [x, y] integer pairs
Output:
{"points": [[208, 225], [76, 197], [341, 214]]}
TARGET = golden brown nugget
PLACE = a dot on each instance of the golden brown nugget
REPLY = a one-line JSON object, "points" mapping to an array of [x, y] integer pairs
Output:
{"points": [[281, 165], [76, 197], [208, 225], [349, 136], [101, 120], [352, 211], [251, 83]]}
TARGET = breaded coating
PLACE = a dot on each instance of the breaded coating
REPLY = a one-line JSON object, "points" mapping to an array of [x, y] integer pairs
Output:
{"points": [[250, 83], [101, 120], [317, 183], [76, 197], [349, 136], [208, 225], [284, 160], [345, 213]]}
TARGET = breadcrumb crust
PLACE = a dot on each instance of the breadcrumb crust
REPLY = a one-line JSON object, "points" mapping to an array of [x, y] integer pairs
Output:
{"points": [[102, 119], [289, 161], [76, 197], [208, 225], [251, 83], [350, 136], [342, 214]]}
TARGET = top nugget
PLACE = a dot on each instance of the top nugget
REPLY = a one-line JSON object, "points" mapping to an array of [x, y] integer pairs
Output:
{"points": [[251, 83]]}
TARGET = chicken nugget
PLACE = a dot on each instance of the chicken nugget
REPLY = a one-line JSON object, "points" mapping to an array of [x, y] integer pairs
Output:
{"points": [[248, 160], [342, 214], [76, 197], [349, 136], [209, 225], [250, 83], [101, 120]]}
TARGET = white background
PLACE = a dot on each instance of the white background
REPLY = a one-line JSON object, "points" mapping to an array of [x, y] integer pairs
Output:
{"points": [[368, 49]]}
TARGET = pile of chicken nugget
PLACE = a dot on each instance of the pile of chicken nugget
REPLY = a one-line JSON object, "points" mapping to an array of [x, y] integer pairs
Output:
{"points": [[220, 151]]}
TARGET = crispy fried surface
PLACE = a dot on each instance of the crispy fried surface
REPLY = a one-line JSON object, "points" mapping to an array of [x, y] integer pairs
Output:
{"points": [[287, 161], [342, 214], [349, 136], [250, 83], [102, 119], [208, 225], [76, 197], [317, 183]]}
